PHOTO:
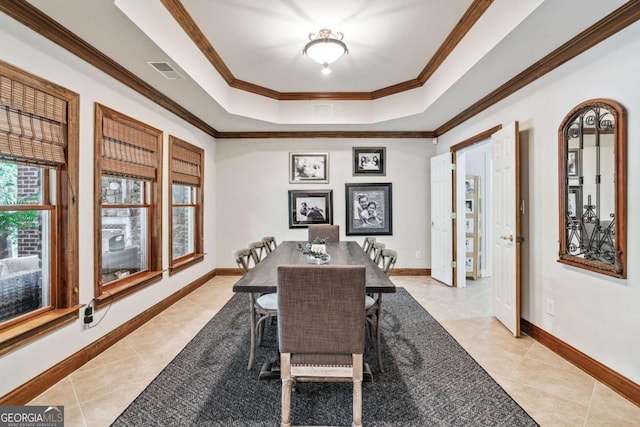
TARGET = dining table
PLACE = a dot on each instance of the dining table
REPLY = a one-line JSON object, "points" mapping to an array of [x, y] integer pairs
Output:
{"points": [[263, 278]]}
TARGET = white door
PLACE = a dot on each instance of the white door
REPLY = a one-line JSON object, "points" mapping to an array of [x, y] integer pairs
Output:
{"points": [[506, 227], [441, 222]]}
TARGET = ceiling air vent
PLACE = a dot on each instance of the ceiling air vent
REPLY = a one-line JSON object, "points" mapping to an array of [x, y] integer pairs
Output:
{"points": [[165, 69], [322, 110]]}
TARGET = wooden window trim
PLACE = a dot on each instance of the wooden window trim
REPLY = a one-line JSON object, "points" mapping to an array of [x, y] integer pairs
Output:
{"points": [[179, 264], [104, 295], [65, 299]]}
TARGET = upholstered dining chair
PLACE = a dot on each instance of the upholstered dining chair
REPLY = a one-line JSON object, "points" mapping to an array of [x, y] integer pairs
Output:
{"points": [[321, 328], [386, 260], [258, 251], [270, 244], [324, 231], [367, 244], [261, 307]]}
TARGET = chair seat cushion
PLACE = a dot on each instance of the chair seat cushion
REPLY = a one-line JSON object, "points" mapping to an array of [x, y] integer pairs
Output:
{"points": [[369, 302], [268, 301]]}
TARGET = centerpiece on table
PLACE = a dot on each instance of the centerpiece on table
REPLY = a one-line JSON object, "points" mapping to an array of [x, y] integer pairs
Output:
{"points": [[316, 251]]}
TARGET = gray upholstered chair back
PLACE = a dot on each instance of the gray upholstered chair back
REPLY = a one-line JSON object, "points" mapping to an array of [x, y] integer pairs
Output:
{"points": [[324, 231], [321, 309]]}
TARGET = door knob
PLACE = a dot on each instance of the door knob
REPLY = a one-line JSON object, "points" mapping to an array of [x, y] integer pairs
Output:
{"points": [[509, 238]]}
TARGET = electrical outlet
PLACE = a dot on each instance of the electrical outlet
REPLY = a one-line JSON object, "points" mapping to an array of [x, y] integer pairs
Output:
{"points": [[233, 254], [88, 315], [418, 254], [550, 307]]}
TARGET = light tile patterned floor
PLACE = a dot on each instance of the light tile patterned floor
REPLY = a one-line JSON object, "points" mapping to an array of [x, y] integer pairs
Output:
{"points": [[550, 389]]}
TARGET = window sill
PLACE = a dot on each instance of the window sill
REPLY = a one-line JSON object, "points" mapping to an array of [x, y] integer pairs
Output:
{"points": [[22, 333], [125, 287], [185, 262]]}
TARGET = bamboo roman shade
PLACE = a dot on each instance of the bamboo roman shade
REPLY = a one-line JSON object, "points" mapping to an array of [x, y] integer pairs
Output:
{"points": [[186, 164], [32, 124], [128, 150]]}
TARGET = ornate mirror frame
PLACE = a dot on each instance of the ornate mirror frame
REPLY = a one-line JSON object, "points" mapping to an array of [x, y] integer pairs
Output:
{"points": [[588, 240]]}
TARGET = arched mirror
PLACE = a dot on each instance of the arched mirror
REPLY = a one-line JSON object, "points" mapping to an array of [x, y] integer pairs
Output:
{"points": [[593, 186]]}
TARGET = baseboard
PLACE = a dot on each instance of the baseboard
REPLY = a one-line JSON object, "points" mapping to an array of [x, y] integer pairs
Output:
{"points": [[228, 272], [37, 385], [611, 378], [410, 272]]}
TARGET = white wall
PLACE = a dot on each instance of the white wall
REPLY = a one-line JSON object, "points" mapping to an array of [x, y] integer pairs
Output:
{"points": [[29, 51], [594, 313], [253, 184]]}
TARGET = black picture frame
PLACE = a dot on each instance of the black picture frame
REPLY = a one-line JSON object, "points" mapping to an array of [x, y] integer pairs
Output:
{"points": [[378, 218], [369, 161], [310, 207], [308, 168]]}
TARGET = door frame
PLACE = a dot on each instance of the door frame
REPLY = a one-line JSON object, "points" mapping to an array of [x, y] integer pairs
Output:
{"points": [[453, 150]]}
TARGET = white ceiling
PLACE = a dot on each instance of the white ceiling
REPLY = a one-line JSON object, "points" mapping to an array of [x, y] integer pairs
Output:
{"points": [[261, 42]]}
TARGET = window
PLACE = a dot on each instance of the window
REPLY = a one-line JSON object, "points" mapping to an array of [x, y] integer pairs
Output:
{"points": [[38, 208], [128, 205], [185, 215]]}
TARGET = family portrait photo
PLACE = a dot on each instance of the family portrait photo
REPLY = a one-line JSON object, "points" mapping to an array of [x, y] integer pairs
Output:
{"points": [[369, 161], [368, 209]]}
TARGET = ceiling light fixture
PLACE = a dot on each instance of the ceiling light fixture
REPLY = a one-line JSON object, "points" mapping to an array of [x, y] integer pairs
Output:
{"points": [[325, 48]]}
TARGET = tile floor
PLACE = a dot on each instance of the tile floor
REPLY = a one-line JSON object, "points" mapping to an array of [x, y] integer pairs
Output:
{"points": [[550, 389]]}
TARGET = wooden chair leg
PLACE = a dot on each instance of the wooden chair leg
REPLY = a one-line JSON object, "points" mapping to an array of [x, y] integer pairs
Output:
{"points": [[357, 390], [287, 383], [378, 332]]}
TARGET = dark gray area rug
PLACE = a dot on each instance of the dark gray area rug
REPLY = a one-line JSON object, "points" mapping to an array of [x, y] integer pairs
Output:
{"points": [[429, 380]]}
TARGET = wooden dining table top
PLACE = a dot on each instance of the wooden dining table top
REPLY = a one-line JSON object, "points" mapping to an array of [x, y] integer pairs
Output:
{"points": [[263, 277]]}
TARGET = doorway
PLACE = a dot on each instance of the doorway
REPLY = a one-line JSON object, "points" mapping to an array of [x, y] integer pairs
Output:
{"points": [[474, 207]]}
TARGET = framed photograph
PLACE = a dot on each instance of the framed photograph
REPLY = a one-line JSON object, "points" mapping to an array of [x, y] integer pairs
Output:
{"points": [[573, 163], [468, 244], [310, 207], [469, 206], [469, 225], [468, 264], [574, 202], [369, 210], [470, 186], [307, 168], [369, 161]]}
